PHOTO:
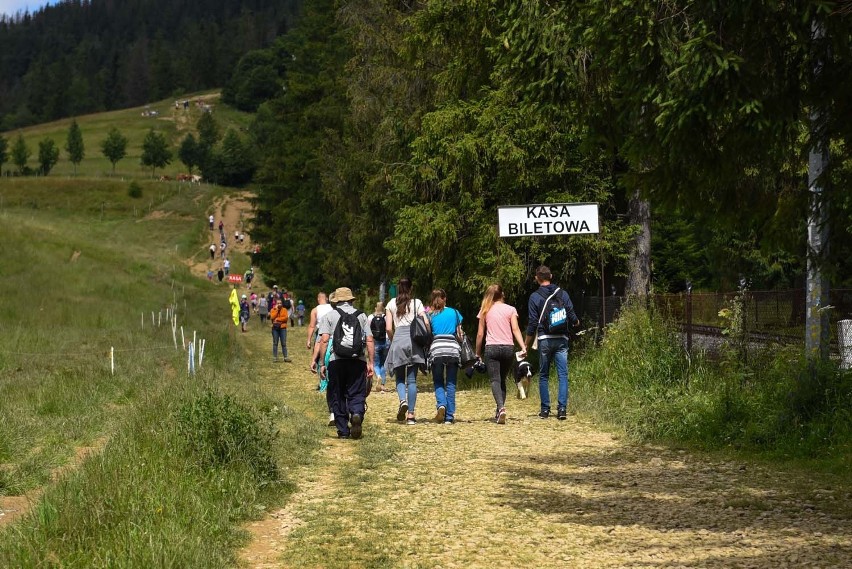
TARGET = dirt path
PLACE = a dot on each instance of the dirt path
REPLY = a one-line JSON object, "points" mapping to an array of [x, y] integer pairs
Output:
{"points": [[234, 211], [533, 493]]}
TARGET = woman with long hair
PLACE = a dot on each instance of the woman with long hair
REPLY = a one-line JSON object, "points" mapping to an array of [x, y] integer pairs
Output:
{"points": [[444, 355], [498, 326], [404, 357]]}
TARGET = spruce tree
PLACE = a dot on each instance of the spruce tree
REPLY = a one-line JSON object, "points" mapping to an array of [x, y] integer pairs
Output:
{"points": [[74, 145]]}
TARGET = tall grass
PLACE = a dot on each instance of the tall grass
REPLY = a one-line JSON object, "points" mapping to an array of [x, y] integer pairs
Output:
{"points": [[641, 379], [76, 282]]}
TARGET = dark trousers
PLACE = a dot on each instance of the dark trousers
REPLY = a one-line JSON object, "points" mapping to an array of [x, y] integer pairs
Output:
{"points": [[347, 389]]}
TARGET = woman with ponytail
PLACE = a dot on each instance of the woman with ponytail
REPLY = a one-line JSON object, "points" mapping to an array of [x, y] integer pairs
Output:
{"points": [[498, 326], [444, 355]]}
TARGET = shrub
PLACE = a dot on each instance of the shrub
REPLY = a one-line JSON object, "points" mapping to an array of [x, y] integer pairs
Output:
{"points": [[220, 431], [641, 379], [134, 190]]}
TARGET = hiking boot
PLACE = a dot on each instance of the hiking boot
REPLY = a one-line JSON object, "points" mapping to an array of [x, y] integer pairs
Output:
{"points": [[522, 393], [403, 409], [501, 416], [355, 429], [544, 414], [288, 360], [331, 419], [561, 414], [442, 412]]}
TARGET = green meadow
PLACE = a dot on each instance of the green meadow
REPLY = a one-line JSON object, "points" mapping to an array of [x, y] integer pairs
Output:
{"points": [[133, 124]]}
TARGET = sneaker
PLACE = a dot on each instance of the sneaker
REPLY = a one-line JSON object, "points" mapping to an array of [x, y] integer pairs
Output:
{"points": [[343, 437], [449, 421], [411, 421], [288, 360], [355, 429], [442, 412], [544, 414], [522, 392], [331, 419], [403, 409], [561, 414], [501, 416]]}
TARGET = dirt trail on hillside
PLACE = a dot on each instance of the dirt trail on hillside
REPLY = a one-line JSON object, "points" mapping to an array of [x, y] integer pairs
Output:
{"points": [[234, 210], [535, 493], [13, 508]]}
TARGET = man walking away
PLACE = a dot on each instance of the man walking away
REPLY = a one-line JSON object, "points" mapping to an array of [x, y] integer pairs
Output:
{"points": [[349, 366], [551, 313]]}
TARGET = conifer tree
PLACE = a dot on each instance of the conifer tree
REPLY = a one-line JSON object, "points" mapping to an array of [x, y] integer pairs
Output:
{"points": [[74, 145]]}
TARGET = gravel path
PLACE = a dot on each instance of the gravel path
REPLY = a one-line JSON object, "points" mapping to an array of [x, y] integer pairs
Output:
{"points": [[534, 493]]}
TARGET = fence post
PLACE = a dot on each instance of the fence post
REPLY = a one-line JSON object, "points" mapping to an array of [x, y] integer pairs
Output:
{"points": [[844, 340], [688, 317]]}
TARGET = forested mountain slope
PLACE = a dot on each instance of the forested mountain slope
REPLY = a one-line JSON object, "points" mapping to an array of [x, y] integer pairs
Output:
{"points": [[87, 56]]}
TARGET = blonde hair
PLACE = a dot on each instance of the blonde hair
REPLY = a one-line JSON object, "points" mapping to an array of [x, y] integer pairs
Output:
{"points": [[493, 293]]}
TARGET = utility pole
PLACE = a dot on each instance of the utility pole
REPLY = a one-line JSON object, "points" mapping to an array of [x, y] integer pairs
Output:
{"points": [[816, 313]]}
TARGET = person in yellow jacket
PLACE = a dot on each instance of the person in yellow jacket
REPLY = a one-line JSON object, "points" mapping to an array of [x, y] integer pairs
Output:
{"points": [[279, 317]]}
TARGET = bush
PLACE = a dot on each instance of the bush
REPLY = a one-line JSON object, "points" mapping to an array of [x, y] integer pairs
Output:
{"points": [[219, 431], [134, 190], [641, 379]]}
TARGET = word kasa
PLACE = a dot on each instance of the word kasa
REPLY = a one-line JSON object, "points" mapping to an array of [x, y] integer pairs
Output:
{"points": [[548, 227]]}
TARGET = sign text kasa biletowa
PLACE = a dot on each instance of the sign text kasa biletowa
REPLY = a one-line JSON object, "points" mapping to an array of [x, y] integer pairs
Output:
{"points": [[548, 219]]}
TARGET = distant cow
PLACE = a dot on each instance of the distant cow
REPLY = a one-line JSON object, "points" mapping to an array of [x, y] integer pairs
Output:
{"points": [[196, 179], [184, 178], [165, 178]]}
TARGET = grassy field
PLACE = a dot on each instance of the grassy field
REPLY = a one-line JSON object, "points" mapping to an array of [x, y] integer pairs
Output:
{"points": [[83, 266], [174, 123]]}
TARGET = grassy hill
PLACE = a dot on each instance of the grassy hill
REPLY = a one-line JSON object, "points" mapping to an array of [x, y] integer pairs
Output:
{"points": [[133, 123], [85, 266]]}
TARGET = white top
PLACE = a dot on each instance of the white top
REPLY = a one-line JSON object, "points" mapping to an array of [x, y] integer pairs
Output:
{"points": [[409, 315], [211, 219], [322, 310]]}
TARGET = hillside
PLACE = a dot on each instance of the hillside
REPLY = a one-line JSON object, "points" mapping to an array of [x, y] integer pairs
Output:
{"points": [[134, 123], [77, 57]]}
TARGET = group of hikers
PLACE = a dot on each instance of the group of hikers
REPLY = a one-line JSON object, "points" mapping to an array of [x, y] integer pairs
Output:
{"points": [[279, 309], [352, 349]]}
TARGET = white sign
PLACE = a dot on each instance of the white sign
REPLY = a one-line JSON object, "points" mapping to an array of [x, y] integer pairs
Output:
{"points": [[548, 219]]}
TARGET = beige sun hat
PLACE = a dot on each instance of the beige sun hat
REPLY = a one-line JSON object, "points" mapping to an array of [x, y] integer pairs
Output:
{"points": [[342, 294]]}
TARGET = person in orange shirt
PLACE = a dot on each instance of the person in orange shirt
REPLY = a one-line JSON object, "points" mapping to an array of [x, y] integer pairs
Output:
{"points": [[279, 317]]}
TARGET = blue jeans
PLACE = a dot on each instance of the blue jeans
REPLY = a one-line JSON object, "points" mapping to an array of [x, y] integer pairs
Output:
{"points": [[410, 382], [553, 350], [381, 354], [279, 335], [445, 387]]}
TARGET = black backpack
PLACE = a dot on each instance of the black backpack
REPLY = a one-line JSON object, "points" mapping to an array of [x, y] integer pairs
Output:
{"points": [[554, 314], [348, 338], [287, 303], [377, 327]]}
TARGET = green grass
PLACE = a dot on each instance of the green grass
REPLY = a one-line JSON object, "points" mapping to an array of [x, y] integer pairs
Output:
{"points": [[60, 313], [175, 124], [642, 381]]}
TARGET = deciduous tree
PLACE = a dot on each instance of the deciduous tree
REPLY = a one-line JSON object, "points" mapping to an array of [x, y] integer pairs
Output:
{"points": [[114, 147], [155, 151], [48, 155], [20, 154]]}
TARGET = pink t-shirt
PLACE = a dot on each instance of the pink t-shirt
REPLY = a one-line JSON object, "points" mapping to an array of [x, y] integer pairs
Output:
{"points": [[498, 325]]}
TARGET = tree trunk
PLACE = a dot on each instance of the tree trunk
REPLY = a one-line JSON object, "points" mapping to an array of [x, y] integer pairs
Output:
{"points": [[639, 262], [816, 312]]}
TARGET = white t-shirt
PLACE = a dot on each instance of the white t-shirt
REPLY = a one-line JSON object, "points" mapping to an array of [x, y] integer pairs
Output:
{"points": [[409, 315]]}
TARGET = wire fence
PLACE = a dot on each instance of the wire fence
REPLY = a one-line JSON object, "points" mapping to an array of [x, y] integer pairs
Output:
{"points": [[767, 316]]}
